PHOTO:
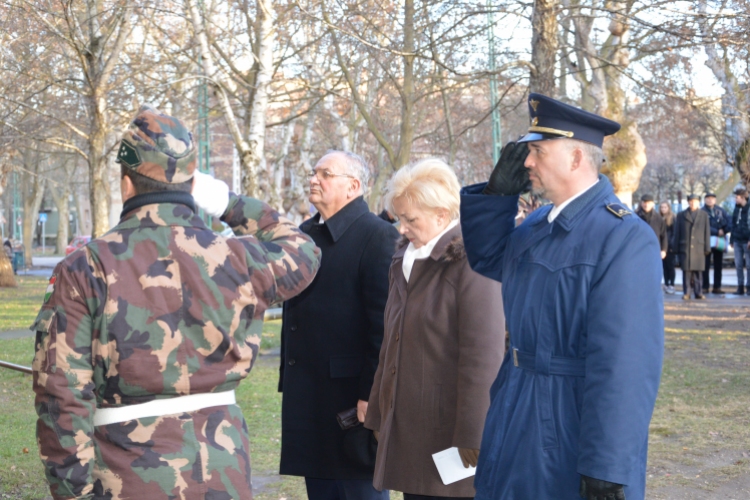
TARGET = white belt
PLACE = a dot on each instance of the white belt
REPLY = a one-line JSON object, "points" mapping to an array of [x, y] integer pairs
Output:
{"points": [[161, 407]]}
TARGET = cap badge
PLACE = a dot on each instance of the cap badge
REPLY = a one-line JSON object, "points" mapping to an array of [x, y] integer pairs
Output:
{"points": [[534, 103], [534, 121]]}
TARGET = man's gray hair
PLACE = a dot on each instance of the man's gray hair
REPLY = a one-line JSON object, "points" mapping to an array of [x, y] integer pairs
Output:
{"points": [[356, 166], [591, 151]]}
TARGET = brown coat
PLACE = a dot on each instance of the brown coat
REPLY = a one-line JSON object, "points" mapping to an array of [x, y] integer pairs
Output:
{"points": [[443, 345]]}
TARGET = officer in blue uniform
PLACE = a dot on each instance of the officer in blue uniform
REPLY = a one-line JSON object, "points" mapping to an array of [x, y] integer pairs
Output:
{"points": [[572, 403]]}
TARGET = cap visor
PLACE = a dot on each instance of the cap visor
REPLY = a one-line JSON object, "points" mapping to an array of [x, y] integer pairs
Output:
{"points": [[536, 136]]}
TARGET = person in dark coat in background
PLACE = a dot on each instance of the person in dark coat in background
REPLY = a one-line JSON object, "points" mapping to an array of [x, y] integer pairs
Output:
{"points": [[647, 213], [444, 341], [721, 224], [571, 406], [740, 239], [692, 238], [668, 263], [331, 336], [386, 216]]}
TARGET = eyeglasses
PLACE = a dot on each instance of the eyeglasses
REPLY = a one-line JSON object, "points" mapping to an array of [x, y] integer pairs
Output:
{"points": [[324, 174]]}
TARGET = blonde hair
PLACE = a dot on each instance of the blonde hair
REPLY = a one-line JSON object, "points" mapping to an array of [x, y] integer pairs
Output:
{"points": [[429, 183]]}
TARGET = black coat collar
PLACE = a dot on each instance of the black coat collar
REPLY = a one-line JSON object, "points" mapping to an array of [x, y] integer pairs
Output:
{"points": [[140, 200], [341, 220]]}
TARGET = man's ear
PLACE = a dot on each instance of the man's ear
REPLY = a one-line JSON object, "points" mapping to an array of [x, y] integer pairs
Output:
{"points": [[127, 189], [576, 159], [355, 187]]}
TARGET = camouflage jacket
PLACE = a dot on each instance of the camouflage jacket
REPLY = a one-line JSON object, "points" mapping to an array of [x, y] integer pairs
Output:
{"points": [[159, 307]]}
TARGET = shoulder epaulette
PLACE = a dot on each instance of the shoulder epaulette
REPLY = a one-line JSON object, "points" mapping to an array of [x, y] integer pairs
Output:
{"points": [[619, 210]]}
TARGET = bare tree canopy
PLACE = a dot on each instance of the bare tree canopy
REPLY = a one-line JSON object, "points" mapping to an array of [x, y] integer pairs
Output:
{"points": [[272, 84]]}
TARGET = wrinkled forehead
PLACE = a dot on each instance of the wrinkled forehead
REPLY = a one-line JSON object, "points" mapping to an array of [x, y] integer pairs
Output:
{"points": [[333, 162]]}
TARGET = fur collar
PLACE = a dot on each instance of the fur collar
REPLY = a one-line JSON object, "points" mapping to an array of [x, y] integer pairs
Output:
{"points": [[453, 252]]}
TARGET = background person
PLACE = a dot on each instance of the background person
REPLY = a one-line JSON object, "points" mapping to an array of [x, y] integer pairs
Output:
{"points": [[444, 341], [146, 331], [331, 336], [668, 263], [652, 218], [740, 240], [571, 406], [692, 236], [720, 224]]}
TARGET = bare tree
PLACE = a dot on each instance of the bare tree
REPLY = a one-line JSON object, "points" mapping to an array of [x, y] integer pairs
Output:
{"points": [[544, 27]]}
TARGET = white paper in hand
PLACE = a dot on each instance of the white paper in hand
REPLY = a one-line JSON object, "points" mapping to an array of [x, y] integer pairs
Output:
{"points": [[450, 467]]}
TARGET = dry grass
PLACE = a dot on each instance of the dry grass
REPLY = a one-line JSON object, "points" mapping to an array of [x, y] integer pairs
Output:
{"points": [[700, 432]]}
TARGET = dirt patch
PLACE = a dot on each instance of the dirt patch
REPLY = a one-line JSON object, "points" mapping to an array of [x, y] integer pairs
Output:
{"points": [[700, 433]]}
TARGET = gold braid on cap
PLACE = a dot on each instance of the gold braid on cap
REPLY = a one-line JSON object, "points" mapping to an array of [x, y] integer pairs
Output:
{"points": [[547, 130]]}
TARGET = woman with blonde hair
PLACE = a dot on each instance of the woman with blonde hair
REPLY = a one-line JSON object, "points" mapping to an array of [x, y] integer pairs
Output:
{"points": [[443, 343], [668, 263]]}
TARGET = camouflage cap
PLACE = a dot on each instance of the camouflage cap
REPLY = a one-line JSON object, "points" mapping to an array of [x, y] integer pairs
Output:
{"points": [[158, 146]]}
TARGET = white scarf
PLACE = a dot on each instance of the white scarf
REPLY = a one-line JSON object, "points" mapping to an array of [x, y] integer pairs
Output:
{"points": [[422, 252]]}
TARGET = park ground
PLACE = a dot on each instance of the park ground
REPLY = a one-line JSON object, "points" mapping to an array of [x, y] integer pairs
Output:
{"points": [[700, 432]]}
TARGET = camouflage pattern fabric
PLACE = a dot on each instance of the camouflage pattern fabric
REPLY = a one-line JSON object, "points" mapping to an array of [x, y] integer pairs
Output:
{"points": [[160, 307], [158, 146]]}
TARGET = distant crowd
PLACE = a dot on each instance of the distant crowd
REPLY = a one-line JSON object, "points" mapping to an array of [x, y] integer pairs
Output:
{"points": [[698, 237]]}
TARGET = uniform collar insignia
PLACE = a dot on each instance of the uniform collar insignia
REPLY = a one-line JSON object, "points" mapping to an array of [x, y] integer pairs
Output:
{"points": [[619, 209]]}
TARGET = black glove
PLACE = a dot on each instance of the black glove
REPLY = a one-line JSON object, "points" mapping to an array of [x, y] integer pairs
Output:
{"points": [[510, 177], [597, 489]]}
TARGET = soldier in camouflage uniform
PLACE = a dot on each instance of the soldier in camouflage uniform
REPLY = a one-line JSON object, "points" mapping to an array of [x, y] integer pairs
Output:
{"points": [[160, 309]]}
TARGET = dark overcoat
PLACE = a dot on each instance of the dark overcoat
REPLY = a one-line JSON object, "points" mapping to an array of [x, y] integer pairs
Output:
{"points": [[444, 341], [692, 239], [656, 221], [585, 317], [331, 336]]}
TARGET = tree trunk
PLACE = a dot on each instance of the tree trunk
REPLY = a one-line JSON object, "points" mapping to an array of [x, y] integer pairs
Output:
{"points": [[216, 78], [734, 108], [31, 204], [625, 150], [543, 47], [407, 92], [7, 280], [98, 172], [61, 198], [299, 174], [256, 137]]}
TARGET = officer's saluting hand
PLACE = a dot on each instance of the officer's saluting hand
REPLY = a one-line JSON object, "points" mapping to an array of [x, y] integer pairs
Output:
{"points": [[510, 176]]}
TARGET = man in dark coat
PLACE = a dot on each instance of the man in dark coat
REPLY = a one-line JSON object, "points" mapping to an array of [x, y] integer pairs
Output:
{"points": [[331, 337], [692, 240], [571, 406], [647, 213], [720, 224], [740, 239]]}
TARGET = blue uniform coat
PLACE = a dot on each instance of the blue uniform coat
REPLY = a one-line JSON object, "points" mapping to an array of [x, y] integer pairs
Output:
{"points": [[584, 311]]}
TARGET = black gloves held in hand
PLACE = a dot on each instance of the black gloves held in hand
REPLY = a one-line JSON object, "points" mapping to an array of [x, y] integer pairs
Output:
{"points": [[597, 489], [510, 177]]}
